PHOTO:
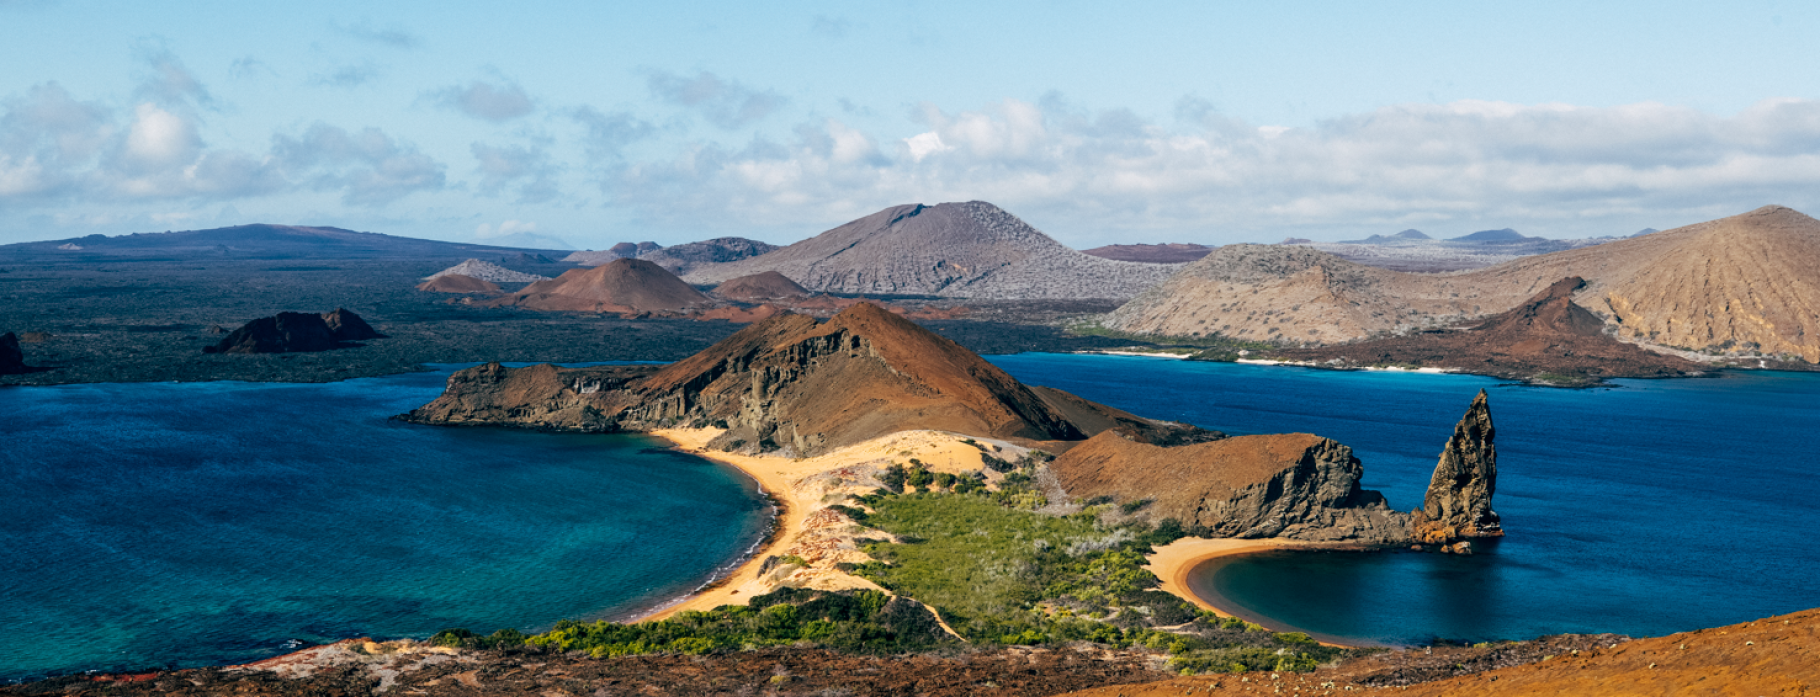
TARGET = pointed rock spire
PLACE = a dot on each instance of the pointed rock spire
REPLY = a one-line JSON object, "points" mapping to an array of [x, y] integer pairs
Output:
{"points": [[1458, 505]]}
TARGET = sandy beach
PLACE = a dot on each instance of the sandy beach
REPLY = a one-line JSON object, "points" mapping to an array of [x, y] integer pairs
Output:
{"points": [[803, 489]]}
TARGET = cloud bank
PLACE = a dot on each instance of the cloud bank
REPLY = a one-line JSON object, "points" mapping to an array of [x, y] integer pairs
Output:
{"points": [[1548, 164]]}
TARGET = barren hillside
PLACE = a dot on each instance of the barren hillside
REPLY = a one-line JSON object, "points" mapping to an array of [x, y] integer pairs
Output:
{"points": [[1746, 281], [624, 285], [968, 250]]}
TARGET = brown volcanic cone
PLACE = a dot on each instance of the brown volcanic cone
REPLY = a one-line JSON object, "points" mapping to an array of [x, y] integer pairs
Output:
{"points": [[624, 285], [287, 332], [458, 283], [1549, 334], [759, 287], [792, 383]]}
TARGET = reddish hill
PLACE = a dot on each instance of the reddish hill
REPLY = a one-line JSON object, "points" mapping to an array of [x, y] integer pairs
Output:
{"points": [[623, 285], [458, 283], [759, 287], [794, 384]]}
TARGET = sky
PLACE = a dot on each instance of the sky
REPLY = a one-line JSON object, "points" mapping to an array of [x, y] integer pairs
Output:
{"points": [[591, 123]]}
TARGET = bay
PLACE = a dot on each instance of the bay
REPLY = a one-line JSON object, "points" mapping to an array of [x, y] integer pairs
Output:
{"points": [[1646, 508], [175, 525]]}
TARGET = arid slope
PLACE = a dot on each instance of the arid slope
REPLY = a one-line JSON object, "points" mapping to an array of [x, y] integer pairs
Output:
{"points": [[1745, 281], [970, 250]]}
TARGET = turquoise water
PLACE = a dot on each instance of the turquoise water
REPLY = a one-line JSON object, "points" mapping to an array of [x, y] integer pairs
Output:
{"points": [[1649, 508], [151, 525]]}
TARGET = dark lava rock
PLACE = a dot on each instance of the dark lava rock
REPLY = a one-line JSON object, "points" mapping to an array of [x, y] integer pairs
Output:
{"points": [[288, 332], [1458, 505], [12, 358], [347, 326]]}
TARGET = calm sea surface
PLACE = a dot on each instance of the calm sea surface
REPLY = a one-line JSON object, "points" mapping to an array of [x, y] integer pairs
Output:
{"points": [[191, 524], [1649, 508]]}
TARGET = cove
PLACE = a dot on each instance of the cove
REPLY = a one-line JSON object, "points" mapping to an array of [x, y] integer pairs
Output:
{"points": [[178, 525], [1647, 508]]}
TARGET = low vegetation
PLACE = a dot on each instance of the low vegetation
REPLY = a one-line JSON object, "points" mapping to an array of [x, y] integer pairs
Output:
{"points": [[997, 572], [1213, 344]]}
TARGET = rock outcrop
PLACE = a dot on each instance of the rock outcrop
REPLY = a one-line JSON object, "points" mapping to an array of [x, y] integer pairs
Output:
{"points": [[458, 283], [960, 250], [12, 358], [794, 385], [286, 332], [1458, 504], [344, 325], [295, 332], [1293, 485], [1548, 338]]}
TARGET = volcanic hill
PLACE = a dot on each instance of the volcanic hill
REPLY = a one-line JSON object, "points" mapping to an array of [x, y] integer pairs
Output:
{"points": [[792, 383], [12, 358], [487, 271], [294, 332], [623, 285], [1745, 282], [973, 250], [1548, 335], [759, 287]]}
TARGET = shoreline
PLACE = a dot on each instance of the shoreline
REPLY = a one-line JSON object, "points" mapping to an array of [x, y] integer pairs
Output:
{"points": [[1173, 563]]}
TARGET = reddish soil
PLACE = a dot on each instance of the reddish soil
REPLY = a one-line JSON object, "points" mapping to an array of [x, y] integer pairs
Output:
{"points": [[760, 287], [1548, 336], [622, 286], [1775, 656]]}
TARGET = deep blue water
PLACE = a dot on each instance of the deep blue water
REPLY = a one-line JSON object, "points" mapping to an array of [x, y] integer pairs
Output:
{"points": [[1645, 509], [151, 525]]}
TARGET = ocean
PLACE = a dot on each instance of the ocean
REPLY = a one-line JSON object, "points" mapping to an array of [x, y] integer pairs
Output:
{"points": [[176, 525], [1645, 508]]}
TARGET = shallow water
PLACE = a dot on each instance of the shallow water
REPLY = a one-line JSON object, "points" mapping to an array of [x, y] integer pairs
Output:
{"points": [[1645, 509], [205, 523]]}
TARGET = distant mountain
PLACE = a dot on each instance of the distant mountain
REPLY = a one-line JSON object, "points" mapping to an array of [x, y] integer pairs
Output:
{"points": [[967, 250], [683, 258], [1169, 253], [1410, 235], [679, 259], [526, 240], [258, 241], [1644, 231], [1677, 288], [1504, 235]]}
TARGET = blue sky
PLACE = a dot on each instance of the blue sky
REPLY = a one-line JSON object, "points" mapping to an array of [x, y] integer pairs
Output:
{"points": [[1205, 122]]}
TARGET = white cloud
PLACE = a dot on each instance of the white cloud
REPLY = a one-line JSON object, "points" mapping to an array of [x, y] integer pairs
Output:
{"points": [[509, 227], [486, 101], [528, 168], [1561, 167], [369, 167], [724, 103]]}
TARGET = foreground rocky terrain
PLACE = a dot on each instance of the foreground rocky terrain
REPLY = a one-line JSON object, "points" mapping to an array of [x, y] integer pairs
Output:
{"points": [[1740, 285], [1772, 656], [962, 250]]}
